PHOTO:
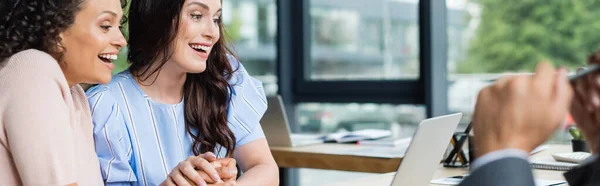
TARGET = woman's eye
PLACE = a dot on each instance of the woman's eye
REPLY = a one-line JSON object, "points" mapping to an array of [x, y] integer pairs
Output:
{"points": [[106, 27], [196, 16]]}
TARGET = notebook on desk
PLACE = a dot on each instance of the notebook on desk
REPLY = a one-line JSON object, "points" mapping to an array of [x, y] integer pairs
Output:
{"points": [[355, 136], [455, 180], [389, 141], [552, 165], [548, 163]]}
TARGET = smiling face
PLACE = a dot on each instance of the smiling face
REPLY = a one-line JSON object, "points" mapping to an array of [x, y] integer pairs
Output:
{"points": [[92, 42], [198, 32]]}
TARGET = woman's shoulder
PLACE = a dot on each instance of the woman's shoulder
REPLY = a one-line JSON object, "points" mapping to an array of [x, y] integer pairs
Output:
{"points": [[31, 54], [104, 103], [33, 64], [234, 62], [247, 106], [109, 93], [240, 76], [248, 101], [113, 87], [242, 82], [31, 71]]}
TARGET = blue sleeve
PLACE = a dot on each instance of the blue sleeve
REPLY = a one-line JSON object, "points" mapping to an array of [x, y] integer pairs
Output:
{"points": [[111, 140], [247, 106]]}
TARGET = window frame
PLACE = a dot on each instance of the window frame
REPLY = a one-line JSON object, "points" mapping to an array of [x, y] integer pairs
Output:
{"points": [[293, 68], [293, 64]]}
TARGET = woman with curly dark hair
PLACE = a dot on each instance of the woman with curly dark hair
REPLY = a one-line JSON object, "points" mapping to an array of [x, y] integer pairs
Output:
{"points": [[184, 98], [48, 47]]}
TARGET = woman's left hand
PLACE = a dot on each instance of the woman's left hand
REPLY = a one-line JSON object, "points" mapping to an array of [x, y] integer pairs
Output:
{"points": [[226, 168]]}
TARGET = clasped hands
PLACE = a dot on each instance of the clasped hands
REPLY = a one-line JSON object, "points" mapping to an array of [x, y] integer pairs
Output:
{"points": [[203, 170]]}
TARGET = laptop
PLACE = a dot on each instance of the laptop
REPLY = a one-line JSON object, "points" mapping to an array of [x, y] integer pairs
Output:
{"points": [[276, 127], [425, 151]]}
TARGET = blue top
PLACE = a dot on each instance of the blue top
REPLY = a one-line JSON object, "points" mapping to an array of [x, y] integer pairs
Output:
{"points": [[139, 141]]}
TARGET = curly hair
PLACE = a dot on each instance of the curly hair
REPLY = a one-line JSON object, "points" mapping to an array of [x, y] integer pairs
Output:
{"points": [[36, 24]]}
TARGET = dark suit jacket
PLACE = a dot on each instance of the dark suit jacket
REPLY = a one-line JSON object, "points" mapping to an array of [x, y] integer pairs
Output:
{"points": [[502, 172], [586, 175], [517, 172]]}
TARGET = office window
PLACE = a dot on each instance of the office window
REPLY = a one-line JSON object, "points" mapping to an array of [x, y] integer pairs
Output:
{"points": [[356, 43], [333, 117], [488, 38], [364, 40], [251, 26]]}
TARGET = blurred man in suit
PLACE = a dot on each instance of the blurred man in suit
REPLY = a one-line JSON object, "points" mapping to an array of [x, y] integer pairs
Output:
{"points": [[519, 113]]}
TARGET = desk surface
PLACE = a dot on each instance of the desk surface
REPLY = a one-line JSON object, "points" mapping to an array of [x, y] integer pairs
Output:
{"points": [[327, 156], [386, 179], [442, 172]]}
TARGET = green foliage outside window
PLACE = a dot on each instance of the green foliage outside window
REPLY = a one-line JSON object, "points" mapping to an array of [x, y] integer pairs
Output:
{"points": [[514, 35]]}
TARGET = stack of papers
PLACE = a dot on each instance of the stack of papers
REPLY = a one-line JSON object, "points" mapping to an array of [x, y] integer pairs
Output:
{"points": [[548, 163], [389, 141], [344, 137], [376, 151], [456, 181]]}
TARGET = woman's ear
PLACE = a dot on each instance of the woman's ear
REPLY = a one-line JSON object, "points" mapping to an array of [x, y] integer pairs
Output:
{"points": [[59, 46]]}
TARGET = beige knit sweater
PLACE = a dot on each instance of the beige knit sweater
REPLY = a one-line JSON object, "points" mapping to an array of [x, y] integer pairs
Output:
{"points": [[45, 125]]}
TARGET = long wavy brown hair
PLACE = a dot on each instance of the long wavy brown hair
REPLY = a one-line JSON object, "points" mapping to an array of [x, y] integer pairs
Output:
{"points": [[153, 26]]}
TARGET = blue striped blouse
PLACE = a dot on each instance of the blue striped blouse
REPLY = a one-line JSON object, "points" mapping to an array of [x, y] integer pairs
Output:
{"points": [[139, 141]]}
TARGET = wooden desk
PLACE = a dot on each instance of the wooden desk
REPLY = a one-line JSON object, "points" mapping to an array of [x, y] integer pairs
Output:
{"points": [[442, 172], [326, 156], [386, 179]]}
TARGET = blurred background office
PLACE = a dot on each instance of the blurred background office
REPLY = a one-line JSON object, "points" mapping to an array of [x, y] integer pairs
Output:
{"points": [[387, 64]]}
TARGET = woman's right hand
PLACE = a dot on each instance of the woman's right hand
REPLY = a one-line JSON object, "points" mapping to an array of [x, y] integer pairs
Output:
{"points": [[189, 170]]}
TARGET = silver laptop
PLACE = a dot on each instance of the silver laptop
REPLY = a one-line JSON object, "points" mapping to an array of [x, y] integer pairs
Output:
{"points": [[276, 127], [425, 151]]}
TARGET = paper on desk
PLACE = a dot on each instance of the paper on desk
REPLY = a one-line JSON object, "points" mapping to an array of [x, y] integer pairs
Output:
{"points": [[376, 151], [540, 182], [455, 181], [539, 149], [446, 181], [384, 151]]}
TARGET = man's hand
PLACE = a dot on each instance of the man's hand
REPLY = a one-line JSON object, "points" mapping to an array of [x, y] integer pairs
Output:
{"points": [[586, 106], [521, 112]]}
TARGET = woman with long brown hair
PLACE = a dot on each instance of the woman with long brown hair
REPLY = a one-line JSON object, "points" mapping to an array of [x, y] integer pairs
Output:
{"points": [[184, 98]]}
